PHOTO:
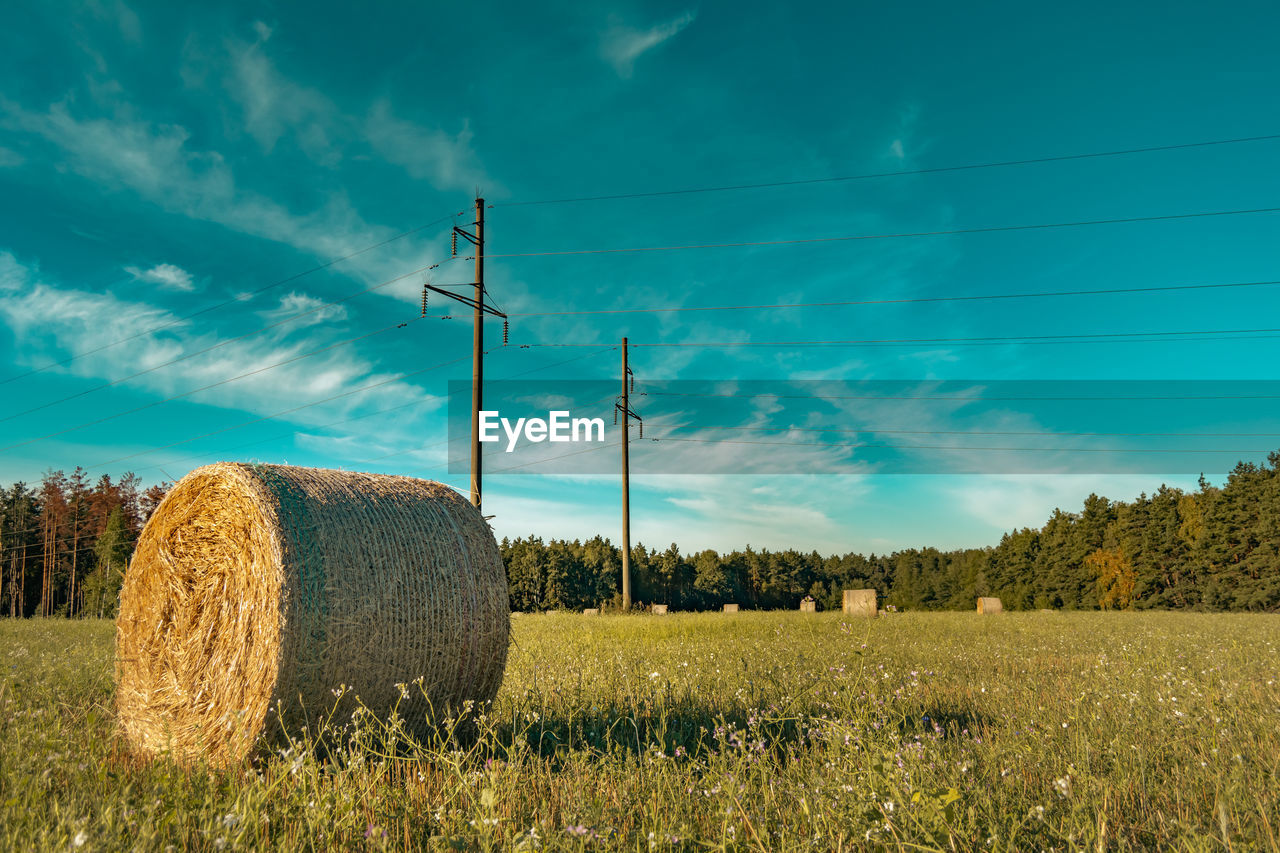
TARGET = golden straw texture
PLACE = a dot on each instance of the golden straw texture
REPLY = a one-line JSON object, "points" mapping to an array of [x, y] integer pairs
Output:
{"points": [[860, 602], [258, 587]]}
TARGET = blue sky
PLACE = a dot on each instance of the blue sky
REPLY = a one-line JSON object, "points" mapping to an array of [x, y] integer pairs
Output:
{"points": [[156, 160]]}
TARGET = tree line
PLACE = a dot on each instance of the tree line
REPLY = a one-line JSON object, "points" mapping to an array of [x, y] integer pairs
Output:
{"points": [[1215, 548], [65, 543]]}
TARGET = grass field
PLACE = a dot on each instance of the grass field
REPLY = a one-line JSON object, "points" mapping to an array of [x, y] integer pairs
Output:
{"points": [[752, 731]]}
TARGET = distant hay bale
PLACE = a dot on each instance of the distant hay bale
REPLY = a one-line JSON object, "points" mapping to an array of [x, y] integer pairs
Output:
{"points": [[989, 605], [808, 606], [591, 611], [860, 602], [262, 587], [731, 608], [659, 610]]}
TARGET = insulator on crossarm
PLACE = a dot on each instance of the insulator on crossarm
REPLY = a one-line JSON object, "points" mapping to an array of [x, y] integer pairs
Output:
{"points": [[642, 429], [615, 414], [424, 300], [453, 243], [506, 327]]}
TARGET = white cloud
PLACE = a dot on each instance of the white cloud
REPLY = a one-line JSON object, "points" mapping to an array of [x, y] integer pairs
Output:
{"points": [[446, 161], [167, 276], [117, 13], [296, 303], [621, 45], [156, 162], [275, 105], [51, 322], [906, 144], [10, 159], [1013, 501], [730, 511]]}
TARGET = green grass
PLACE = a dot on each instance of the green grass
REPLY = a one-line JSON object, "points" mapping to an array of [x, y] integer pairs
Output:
{"points": [[750, 731]]}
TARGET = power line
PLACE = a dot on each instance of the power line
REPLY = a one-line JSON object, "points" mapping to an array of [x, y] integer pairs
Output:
{"points": [[330, 399], [560, 456], [219, 345], [941, 233], [288, 434], [774, 395], [501, 379], [184, 394], [351, 419], [233, 301], [897, 173], [905, 300], [1054, 433], [953, 447], [368, 415], [38, 559], [997, 339]]}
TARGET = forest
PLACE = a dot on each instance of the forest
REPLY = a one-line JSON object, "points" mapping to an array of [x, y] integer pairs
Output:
{"points": [[1217, 548], [65, 543]]}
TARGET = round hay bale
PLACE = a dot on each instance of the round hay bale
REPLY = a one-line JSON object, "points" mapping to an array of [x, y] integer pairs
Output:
{"points": [[860, 602], [264, 588]]}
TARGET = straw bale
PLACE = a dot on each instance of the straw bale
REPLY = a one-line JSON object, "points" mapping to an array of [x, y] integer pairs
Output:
{"points": [[731, 608], [659, 610], [989, 605], [808, 606], [591, 611], [860, 602], [258, 590]]}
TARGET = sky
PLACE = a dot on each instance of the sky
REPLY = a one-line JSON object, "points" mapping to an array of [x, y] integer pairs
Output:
{"points": [[217, 220]]}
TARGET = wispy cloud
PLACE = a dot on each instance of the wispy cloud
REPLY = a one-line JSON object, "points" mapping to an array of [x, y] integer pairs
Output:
{"points": [[275, 105], [621, 45], [10, 159], [296, 303], [167, 276], [906, 143], [52, 321], [156, 162], [445, 160]]}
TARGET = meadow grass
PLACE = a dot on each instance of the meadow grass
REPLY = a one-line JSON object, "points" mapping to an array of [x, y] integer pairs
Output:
{"points": [[748, 731]]}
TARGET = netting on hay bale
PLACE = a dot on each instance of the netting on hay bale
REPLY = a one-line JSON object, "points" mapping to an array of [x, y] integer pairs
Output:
{"points": [[262, 587], [989, 605], [860, 602]]}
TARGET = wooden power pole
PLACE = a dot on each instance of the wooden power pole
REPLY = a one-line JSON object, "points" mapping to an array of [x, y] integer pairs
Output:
{"points": [[477, 358], [480, 307], [623, 407]]}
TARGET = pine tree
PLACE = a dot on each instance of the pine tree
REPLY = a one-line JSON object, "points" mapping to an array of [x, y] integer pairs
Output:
{"points": [[113, 549]]}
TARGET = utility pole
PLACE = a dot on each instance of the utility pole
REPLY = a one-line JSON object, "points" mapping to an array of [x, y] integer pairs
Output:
{"points": [[477, 357], [480, 308], [623, 407]]}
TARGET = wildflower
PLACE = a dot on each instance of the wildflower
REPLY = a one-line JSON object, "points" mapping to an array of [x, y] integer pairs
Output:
{"points": [[80, 839]]}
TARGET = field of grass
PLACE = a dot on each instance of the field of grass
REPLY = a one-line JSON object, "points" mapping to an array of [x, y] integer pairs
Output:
{"points": [[752, 731]]}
